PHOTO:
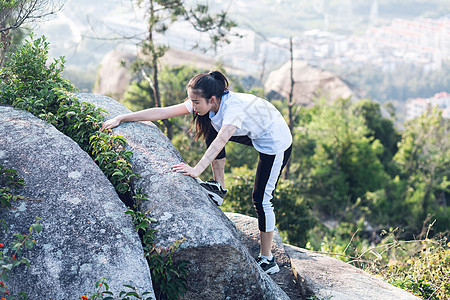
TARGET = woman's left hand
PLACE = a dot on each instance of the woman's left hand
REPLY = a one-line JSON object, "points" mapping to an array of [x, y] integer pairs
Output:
{"points": [[186, 170]]}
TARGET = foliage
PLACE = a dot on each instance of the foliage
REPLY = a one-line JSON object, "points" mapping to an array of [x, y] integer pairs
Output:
{"points": [[28, 83], [161, 14], [168, 275], [114, 159], [240, 186], [10, 181], [419, 266], [294, 219], [345, 163], [102, 292], [8, 261], [13, 13], [380, 129], [138, 96], [423, 160], [240, 155]]}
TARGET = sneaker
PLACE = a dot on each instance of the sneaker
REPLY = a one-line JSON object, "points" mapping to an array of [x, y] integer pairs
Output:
{"points": [[268, 266], [214, 190]]}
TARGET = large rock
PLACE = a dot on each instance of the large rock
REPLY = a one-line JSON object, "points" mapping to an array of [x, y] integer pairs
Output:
{"points": [[114, 76], [86, 234], [310, 84], [222, 268], [249, 233], [317, 276], [330, 278]]}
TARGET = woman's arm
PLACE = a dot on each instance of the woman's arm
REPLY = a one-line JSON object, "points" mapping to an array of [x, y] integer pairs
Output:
{"points": [[225, 133], [151, 114]]}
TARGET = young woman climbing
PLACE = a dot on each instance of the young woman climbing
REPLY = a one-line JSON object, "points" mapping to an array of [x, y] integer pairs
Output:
{"points": [[219, 116]]}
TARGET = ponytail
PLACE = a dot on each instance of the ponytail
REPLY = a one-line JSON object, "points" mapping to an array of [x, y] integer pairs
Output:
{"points": [[206, 86]]}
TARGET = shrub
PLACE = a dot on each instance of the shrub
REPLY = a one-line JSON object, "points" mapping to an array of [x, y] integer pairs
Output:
{"points": [[419, 266]]}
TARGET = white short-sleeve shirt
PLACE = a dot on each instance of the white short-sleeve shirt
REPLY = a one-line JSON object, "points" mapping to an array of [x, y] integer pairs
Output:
{"points": [[254, 117]]}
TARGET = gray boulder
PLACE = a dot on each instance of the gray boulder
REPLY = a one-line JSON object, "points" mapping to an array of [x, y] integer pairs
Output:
{"points": [[86, 234], [317, 276], [249, 233], [310, 83], [222, 268], [331, 278]]}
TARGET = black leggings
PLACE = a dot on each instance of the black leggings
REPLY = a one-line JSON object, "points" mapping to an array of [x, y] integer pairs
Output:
{"points": [[267, 175]]}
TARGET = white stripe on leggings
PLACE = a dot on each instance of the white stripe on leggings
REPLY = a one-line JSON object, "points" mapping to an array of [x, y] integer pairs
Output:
{"points": [[270, 186]]}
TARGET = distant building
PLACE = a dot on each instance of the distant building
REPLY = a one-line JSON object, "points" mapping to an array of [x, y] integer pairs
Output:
{"points": [[422, 41], [416, 107]]}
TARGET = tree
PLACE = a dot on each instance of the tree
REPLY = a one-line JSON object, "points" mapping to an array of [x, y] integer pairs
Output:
{"points": [[161, 14], [381, 129], [423, 160], [345, 164], [14, 13]]}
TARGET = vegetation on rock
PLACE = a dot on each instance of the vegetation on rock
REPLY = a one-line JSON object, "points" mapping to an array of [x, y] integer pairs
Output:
{"points": [[29, 83]]}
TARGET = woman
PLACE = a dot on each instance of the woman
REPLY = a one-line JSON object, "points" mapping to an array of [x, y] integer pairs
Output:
{"points": [[221, 115]]}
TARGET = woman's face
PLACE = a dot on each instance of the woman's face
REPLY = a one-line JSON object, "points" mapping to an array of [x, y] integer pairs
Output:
{"points": [[200, 104]]}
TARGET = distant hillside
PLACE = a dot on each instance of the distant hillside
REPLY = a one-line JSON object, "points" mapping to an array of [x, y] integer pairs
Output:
{"points": [[291, 17], [84, 31]]}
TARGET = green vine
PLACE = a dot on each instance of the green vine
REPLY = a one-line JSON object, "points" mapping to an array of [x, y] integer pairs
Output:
{"points": [[102, 292], [10, 182], [114, 160], [169, 274]]}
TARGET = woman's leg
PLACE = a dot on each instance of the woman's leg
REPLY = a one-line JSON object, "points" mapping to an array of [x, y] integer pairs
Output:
{"points": [[218, 169], [266, 243], [267, 174]]}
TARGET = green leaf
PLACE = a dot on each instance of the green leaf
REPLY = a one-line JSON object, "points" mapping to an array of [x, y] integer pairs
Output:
{"points": [[117, 173], [129, 286], [37, 227], [133, 294]]}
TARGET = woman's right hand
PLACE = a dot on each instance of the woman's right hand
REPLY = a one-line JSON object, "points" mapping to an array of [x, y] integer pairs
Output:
{"points": [[110, 124]]}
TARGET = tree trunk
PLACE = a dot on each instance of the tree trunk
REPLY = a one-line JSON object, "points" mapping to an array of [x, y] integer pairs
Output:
{"points": [[290, 106], [154, 66]]}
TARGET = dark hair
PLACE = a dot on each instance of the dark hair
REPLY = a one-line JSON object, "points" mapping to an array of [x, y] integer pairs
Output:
{"points": [[206, 85]]}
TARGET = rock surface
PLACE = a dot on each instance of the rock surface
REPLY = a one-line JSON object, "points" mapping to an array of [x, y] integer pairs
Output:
{"points": [[310, 84], [86, 234], [330, 278], [114, 76], [249, 232], [317, 276], [222, 267]]}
